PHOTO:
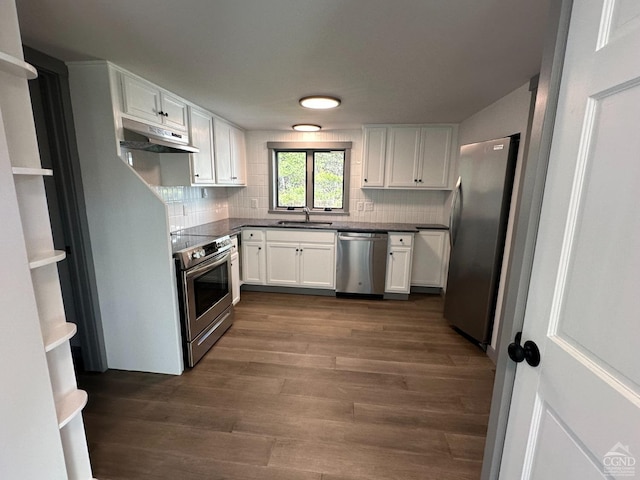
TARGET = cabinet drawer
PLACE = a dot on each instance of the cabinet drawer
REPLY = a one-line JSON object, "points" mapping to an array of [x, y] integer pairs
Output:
{"points": [[400, 239], [252, 235], [298, 235]]}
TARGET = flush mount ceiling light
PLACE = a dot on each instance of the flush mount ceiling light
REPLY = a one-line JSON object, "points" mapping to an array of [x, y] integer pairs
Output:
{"points": [[306, 127], [320, 102]]}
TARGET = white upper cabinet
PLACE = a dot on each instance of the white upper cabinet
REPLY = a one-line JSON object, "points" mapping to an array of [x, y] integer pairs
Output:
{"points": [[230, 153], [435, 157], [375, 146], [146, 101], [403, 156], [202, 163], [408, 156], [174, 112], [238, 156]]}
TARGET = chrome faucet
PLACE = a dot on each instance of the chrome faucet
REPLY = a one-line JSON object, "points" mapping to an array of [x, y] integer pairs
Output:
{"points": [[306, 211]]}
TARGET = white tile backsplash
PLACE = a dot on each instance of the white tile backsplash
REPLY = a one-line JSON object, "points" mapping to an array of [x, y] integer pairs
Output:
{"points": [[188, 208], [400, 206]]}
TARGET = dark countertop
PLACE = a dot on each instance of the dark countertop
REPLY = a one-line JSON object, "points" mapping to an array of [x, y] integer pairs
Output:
{"points": [[232, 226]]}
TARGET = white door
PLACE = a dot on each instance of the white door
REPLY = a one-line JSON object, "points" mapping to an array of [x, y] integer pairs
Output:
{"points": [[174, 112], [238, 156], [375, 146], [222, 144], [283, 260], [428, 258], [141, 99], [317, 265], [202, 137], [253, 263], [435, 151], [577, 415], [398, 270], [235, 278], [402, 158]]}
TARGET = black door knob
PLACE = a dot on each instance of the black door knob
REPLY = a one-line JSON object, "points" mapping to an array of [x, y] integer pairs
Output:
{"points": [[529, 351]]}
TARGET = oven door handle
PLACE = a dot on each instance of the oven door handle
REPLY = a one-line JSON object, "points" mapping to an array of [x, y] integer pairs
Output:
{"points": [[214, 262]]}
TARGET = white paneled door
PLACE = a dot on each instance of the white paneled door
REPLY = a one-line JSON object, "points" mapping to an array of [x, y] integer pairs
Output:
{"points": [[577, 415]]}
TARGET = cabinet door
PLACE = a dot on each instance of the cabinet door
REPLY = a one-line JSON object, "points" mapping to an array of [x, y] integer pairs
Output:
{"points": [[202, 137], [253, 263], [238, 157], [222, 147], [140, 99], [435, 153], [398, 270], [403, 153], [175, 112], [373, 157], [235, 278], [428, 259], [282, 263], [317, 266]]}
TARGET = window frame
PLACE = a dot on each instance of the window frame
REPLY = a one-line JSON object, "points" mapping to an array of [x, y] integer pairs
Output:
{"points": [[310, 148]]}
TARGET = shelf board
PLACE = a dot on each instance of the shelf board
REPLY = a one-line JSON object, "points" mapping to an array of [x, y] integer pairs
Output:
{"points": [[46, 258], [69, 406], [17, 67], [45, 172], [58, 335]]}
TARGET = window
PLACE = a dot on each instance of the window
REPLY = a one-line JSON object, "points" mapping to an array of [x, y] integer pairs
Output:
{"points": [[313, 175]]}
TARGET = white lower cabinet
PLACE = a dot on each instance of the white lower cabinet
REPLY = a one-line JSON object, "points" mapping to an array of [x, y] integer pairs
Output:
{"points": [[317, 265], [253, 263], [430, 259], [301, 258], [399, 263], [254, 256], [235, 271], [283, 264]]}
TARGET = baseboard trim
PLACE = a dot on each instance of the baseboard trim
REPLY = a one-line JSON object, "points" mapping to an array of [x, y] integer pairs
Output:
{"points": [[294, 290]]}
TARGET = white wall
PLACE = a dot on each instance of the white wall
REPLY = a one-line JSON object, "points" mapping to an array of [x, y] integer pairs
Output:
{"points": [[389, 205], [507, 116], [128, 225]]}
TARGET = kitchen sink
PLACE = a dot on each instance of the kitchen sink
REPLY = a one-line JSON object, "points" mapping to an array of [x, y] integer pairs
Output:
{"points": [[302, 223]]}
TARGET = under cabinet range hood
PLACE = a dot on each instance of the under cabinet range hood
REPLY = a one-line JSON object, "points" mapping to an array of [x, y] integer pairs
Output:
{"points": [[142, 136]]}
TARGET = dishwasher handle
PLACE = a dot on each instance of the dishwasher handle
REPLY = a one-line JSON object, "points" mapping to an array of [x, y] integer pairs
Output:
{"points": [[376, 238]]}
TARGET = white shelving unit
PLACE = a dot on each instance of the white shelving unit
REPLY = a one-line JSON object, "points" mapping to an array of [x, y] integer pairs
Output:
{"points": [[43, 172], [16, 66], [51, 400], [46, 258]]}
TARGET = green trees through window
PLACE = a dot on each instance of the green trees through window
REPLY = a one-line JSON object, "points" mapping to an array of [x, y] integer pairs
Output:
{"points": [[312, 178], [328, 176], [292, 179]]}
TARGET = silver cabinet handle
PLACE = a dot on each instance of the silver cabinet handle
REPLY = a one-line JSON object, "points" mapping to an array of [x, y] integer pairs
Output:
{"points": [[456, 212]]}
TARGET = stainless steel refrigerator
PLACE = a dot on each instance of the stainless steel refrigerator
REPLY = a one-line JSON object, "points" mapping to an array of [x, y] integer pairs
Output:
{"points": [[478, 226]]}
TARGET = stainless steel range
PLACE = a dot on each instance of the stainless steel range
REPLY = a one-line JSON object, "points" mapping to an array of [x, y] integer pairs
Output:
{"points": [[204, 291]]}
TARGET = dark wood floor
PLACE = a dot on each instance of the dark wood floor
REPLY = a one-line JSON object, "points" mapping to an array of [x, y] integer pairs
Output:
{"points": [[303, 388]]}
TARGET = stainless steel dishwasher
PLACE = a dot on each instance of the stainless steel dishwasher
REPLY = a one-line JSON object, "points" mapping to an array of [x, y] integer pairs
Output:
{"points": [[362, 263]]}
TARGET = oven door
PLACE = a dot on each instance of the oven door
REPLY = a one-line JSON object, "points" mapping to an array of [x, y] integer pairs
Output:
{"points": [[208, 293]]}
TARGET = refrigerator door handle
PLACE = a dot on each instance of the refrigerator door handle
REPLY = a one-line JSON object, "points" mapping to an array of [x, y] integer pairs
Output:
{"points": [[456, 212]]}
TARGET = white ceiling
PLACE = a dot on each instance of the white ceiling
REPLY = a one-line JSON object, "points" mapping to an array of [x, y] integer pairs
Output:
{"points": [[391, 61]]}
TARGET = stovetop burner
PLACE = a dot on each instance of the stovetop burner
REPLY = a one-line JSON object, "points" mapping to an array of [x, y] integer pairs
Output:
{"points": [[191, 250], [183, 242]]}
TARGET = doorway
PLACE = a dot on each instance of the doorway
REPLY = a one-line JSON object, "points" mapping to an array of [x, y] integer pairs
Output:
{"points": [[53, 117]]}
